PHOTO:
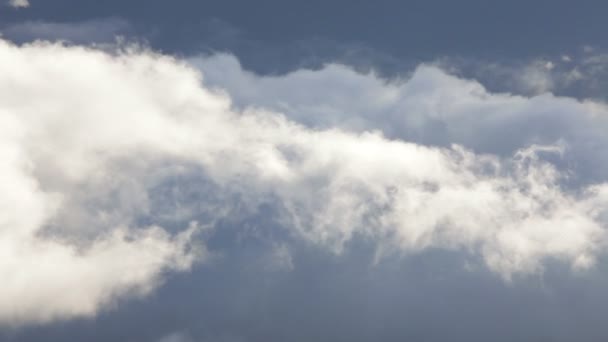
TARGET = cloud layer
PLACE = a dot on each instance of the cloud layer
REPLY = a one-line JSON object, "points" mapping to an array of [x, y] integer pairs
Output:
{"points": [[432, 161]]}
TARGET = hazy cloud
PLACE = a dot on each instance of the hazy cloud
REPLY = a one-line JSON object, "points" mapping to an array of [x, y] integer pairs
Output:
{"points": [[19, 3], [95, 31]]}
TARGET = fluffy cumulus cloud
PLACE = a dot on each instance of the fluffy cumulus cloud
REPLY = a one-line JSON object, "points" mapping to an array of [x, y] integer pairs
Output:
{"points": [[49, 273], [89, 137]]}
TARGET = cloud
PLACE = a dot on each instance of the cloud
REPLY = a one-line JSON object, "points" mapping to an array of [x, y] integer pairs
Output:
{"points": [[89, 137], [184, 337], [50, 275], [19, 3], [94, 31], [580, 74], [428, 107], [176, 337]]}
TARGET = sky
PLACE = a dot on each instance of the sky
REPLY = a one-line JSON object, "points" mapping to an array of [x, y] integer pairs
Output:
{"points": [[232, 171]]}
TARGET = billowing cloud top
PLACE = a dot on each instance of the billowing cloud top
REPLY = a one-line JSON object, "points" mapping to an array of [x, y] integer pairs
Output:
{"points": [[433, 161]]}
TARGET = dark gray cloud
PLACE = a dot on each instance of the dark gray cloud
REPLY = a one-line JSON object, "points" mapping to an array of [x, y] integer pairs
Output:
{"points": [[105, 30], [304, 230], [271, 35], [325, 298], [491, 43]]}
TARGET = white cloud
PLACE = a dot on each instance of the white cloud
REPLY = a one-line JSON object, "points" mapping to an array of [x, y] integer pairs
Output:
{"points": [[80, 126], [19, 3], [430, 107], [49, 277]]}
